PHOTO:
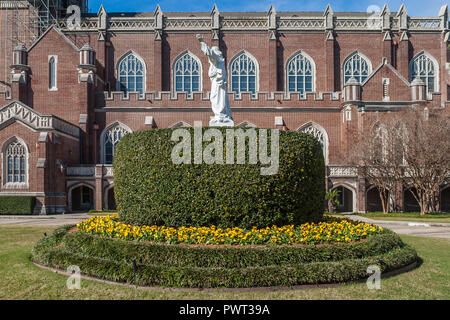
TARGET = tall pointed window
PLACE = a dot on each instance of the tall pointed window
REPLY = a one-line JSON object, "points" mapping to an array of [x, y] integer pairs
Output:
{"points": [[187, 73], [300, 74], [319, 133], [131, 74], [423, 66], [52, 73], [244, 73], [111, 138], [358, 67], [15, 157]]}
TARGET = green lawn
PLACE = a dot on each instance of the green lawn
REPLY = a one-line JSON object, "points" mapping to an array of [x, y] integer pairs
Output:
{"points": [[20, 279], [408, 216], [101, 212], [437, 220]]}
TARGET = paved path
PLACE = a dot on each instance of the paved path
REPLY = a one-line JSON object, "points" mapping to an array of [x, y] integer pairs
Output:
{"points": [[413, 228], [426, 229], [50, 220]]}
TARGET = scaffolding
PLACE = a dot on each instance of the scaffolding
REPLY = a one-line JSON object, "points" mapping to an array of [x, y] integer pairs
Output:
{"points": [[23, 22]]}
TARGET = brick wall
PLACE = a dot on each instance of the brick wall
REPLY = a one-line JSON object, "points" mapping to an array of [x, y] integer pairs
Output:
{"points": [[327, 50]]}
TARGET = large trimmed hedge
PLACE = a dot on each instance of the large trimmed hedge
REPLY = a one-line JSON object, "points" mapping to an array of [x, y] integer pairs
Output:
{"points": [[150, 189], [224, 266], [17, 205]]}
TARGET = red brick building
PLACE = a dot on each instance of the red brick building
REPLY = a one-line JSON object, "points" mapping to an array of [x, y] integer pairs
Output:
{"points": [[73, 93]]}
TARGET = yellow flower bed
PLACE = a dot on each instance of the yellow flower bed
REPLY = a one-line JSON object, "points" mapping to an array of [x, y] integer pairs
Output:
{"points": [[329, 231]]}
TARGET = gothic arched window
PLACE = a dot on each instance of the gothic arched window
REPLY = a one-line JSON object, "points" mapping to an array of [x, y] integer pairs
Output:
{"points": [[423, 66], [244, 73], [358, 67], [187, 73], [319, 133], [300, 74], [111, 137], [131, 73], [15, 157]]}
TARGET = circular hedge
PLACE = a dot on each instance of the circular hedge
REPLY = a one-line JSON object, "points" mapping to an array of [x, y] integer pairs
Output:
{"points": [[148, 264], [151, 190]]}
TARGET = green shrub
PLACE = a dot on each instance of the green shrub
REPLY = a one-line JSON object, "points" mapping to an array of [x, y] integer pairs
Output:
{"points": [[17, 205], [226, 256], [144, 264], [152, 190]]}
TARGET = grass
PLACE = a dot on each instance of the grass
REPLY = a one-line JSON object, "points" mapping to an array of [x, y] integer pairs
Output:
{"points": [[437, 220], [20, 279], [101, 212], [408, 216]]}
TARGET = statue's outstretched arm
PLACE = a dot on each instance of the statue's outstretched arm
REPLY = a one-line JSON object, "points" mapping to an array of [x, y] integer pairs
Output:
{"points": [[205, 48]]}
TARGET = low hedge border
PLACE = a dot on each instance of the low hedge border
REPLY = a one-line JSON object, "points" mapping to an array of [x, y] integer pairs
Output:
{"points": [[51, 251], [225, 256]]}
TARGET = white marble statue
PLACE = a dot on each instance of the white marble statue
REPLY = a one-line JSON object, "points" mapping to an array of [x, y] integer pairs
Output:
{"points": [[219, 96]]}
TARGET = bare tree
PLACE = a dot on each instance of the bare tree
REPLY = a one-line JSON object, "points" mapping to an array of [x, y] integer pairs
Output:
{"points": [[376, 153], [411, 147], [426, 153]]}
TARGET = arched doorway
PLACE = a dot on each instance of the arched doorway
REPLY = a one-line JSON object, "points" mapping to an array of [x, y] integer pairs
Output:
{"points": [[444, 199], [409, 202], [373, 200], [110, 199], [345, 198], [81, 198]]}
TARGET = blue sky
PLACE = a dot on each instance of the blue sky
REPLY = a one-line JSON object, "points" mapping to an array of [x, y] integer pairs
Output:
{"points": [[422, 8]]}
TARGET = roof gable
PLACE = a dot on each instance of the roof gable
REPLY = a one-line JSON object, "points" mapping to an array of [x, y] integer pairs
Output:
{"points": [[386, 84], [18, 111], [53, 29], [385, 64]]}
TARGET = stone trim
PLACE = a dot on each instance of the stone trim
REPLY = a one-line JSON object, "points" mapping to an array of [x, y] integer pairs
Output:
{"points": [[41, 163], [80, 170], [205, 96], [14, 4], [342, 171], [149, 121], [55, 65], [329, 108], [262, 21], [88, 171], [17, 111], [83, 118], [60, 32], [388, 65], [84, 171]]}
